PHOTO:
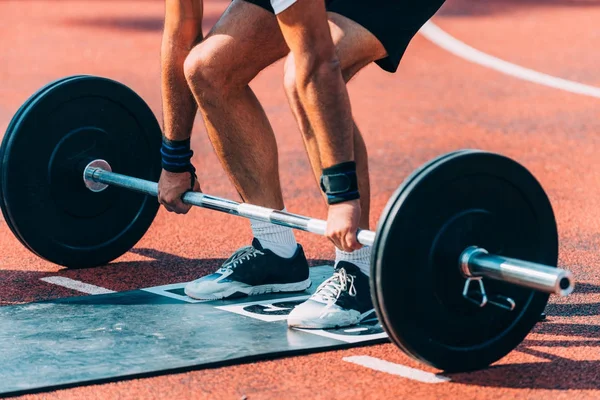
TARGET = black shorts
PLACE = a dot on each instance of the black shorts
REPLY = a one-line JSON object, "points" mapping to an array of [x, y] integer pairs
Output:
{"points": [[393, 22]]}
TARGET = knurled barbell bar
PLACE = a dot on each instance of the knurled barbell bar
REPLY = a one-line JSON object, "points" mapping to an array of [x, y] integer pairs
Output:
{"points": [[463, 219]]}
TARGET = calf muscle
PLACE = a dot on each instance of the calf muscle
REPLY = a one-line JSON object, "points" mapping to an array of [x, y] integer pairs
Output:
{"points": [[319, 82]]}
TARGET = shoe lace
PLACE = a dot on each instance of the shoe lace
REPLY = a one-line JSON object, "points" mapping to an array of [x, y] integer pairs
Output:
{"points": [[330, 290], [241, 255]]}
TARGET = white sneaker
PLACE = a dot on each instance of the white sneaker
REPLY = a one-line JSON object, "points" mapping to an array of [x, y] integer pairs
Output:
{"points": [[342, 300]]}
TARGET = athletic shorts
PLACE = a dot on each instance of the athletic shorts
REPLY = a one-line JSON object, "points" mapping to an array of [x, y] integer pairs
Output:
{"points": [[393, 22]]}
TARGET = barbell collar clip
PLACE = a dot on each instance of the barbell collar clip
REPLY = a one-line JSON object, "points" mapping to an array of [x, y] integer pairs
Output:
{"points": [[477, 297], [502, 301]]}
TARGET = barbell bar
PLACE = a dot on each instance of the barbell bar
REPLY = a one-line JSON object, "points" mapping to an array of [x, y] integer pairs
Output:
{"points": [[474, 261]]}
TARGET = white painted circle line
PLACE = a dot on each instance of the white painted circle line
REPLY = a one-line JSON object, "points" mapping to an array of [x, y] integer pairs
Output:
{"points": [[76, 285], [396, 369], [444, 40]]}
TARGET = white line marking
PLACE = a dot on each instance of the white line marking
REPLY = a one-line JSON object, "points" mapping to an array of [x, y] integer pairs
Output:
{"points": [[76, 285], [439, 37], [396, 369], [345, 338], [355, 330]]}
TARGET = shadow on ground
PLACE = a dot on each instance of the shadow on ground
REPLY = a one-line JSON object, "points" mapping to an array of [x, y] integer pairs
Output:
{"points": [[132, 23], [557, 373], [160, 269], [576, 309], [144, 24]]}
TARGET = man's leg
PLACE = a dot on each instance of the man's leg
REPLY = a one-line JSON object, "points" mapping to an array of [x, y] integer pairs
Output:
{"points": [[245, 41], [345, 298], [356, 48]]}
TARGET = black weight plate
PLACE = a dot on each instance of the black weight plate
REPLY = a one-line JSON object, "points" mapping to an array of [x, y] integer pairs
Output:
{"points": [[9, 129], [471, 198], [56, 133], [386, 211]]}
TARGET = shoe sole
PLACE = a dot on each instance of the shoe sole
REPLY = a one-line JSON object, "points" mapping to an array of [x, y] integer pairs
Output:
{"points": [[253, 290], [310, 323]]}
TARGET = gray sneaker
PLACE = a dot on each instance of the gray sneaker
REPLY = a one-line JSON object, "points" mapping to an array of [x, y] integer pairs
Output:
{"points": [[250, 271]]}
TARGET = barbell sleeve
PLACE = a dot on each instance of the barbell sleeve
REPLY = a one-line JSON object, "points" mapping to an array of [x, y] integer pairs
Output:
{"points": [[477, 262], [94, 173]]}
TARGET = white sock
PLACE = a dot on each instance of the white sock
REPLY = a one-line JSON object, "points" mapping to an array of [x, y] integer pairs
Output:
{"points": [[279, 239], [361, 258]]}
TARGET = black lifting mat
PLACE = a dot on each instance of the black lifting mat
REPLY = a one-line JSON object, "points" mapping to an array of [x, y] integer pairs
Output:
{"points": [[101, 338]]}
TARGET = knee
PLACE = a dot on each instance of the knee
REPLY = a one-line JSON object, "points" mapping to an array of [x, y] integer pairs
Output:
{"points": [[209, 74], [290, 81]]}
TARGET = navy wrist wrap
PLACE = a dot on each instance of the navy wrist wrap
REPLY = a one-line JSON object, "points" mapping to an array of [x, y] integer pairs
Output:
{"points": [[177, 156], [339, 182]]}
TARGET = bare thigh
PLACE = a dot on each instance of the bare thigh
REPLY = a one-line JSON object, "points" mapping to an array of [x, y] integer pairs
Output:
{"points": [[247, 39], [243, 42], [356, 47]]}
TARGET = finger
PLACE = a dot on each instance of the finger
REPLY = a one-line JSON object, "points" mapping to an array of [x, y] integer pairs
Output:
{"points": [[352, 241], [347, 242], [346, 246], [180, 207], [331, 236], [330, 239], [171, 204], [339, 242], [184, 210]]}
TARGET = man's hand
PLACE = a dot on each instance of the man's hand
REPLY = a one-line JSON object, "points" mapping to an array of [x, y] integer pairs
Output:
{"points": [[342, 225], [171, 187]]}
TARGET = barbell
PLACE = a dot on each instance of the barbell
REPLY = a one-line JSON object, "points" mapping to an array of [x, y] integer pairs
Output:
{"points": [[463, 259]]}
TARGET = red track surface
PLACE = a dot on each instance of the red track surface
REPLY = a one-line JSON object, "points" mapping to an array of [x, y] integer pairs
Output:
{"points": [[435, 103]]}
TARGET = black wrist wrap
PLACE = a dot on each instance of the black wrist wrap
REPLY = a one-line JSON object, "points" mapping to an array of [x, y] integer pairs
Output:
{"points": [[177, 156], [340, 183]]}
